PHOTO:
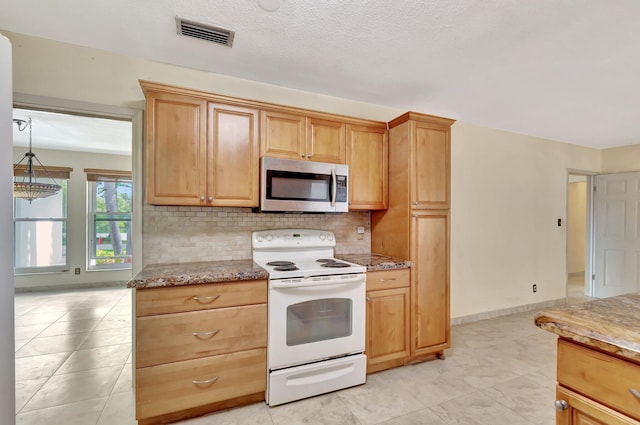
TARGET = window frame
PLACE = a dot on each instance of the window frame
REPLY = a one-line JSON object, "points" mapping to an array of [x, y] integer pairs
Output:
{"points": [[95, 176], [58, 174]]}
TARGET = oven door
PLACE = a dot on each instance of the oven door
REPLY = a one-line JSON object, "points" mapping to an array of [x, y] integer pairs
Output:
{"points": [[315, 318]]}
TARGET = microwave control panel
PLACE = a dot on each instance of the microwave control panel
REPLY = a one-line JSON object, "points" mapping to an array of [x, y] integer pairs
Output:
{"points": [[341, 191]]}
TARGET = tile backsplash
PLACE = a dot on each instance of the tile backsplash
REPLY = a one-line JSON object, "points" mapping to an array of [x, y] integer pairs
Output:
{"points": [[184, 234]]}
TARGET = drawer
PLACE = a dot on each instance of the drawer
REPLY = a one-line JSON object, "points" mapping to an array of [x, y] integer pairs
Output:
{"points": [[183, 385], [601, 377], [181, 336], [199, 297], [387, 279]]}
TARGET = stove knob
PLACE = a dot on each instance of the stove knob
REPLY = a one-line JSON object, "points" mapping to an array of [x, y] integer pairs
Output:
{"points": [[259, 238], [322, 236], [269, 237], [330, 236]]}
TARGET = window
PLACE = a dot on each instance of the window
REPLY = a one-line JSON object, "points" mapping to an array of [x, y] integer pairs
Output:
{"points": [[40, 227], [110, 236]]}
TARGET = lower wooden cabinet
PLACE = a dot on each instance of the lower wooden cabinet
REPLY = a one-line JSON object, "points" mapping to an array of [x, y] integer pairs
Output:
{"points": [[595, 388], [199, 348], [387, 319], [182, 385]]}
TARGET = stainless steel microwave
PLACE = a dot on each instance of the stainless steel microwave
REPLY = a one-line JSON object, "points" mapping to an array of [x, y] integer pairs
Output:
{"points": [[303, 186]]}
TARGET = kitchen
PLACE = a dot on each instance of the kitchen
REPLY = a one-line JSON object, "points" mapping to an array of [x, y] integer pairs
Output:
{"points": [[498, 210]]}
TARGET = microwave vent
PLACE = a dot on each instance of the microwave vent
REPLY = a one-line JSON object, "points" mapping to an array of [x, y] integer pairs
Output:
{"points": [[206, 32]]}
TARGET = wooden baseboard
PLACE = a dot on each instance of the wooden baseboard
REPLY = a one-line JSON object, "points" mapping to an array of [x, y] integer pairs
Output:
{"points": [[202, 410]]}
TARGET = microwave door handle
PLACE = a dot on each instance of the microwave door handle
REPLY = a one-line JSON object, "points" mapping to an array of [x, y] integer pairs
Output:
{"points": [[334, 187]]}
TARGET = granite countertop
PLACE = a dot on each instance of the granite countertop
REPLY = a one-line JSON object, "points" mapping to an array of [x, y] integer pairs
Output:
{"points": [[375, 262], [178, 274], [609, 324]]}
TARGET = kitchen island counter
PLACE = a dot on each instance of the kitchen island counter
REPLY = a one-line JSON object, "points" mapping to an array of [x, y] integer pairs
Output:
{"points": [[374, 262], [180, 274], [609, 324]]}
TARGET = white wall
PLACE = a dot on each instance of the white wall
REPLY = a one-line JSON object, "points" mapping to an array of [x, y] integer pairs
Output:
{"points": [[7, 350], [619, 160], [508, 190], [77, 216]]}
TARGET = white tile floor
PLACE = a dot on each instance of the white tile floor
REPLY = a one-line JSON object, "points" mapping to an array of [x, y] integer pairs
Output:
{"points": [[73, 367]]}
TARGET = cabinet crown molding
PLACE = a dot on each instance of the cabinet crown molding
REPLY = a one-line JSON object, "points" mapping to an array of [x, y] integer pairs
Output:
{"points": [[417, 116]]}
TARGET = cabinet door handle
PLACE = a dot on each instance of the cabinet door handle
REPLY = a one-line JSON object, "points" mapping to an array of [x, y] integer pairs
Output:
{"points": [[635, 392], [206, 300], [415, 202], [368, 299], [205, 381], [210, 198], [414, 215], [209, 334], [302, 155], [561, 405], [202, 198], [309, 155]]}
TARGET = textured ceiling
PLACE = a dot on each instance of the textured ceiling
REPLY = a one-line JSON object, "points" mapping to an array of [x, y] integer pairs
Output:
{"points": [[565, 70]]}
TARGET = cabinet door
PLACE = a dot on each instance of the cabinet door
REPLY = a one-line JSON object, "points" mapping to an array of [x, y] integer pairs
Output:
{"points": [[430, 161], [282, 135], [176, 149], [368, 153], [233, 176], [326, 141], [581, 410], [387, 328], [430, 281]]}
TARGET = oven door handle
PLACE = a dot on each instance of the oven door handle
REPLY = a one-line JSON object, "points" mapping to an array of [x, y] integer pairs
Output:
{"points": [[287, 285]]}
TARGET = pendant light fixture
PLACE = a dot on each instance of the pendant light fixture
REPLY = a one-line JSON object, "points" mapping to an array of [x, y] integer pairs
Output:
{"points": [[27, 187]]}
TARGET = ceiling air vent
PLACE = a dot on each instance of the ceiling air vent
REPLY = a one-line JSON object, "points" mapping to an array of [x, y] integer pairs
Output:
{"points": [[202, 31]]}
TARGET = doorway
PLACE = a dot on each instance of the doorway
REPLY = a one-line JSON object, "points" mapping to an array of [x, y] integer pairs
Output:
{"points": [[579, 199]]}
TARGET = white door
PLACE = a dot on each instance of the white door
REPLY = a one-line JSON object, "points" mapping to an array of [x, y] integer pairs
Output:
{"points": [[617, 234]]}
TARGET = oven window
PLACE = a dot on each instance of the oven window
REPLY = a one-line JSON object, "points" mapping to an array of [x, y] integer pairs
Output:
{"points": [[319, 320]]}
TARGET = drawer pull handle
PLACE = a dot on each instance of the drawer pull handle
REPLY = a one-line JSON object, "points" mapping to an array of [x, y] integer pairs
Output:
{"points": [[561, 405], [388, 280], [206, 300], [635, 392], [205, 381], [209, 334], [368, 299]]}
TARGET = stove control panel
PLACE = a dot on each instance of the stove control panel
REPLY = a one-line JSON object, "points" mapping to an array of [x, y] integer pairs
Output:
{"points": [[288, 238]]}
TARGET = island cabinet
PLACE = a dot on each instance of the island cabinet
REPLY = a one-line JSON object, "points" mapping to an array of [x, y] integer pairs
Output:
{"points": [[387, 336], [292, 136], [596, 388], [199, 151], [367, 156], [416, 224], [199, 348]]}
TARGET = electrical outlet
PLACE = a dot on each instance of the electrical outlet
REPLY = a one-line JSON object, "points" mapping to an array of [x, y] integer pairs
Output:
{"points": [[77, 270], [360, 230], [535, 288]]}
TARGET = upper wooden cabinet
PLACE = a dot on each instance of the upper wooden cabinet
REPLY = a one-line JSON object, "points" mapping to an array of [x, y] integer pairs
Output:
{"points": [[428, 140], [199, 152], [291, 136], [233, 176], [176, 149], [367, 156]]}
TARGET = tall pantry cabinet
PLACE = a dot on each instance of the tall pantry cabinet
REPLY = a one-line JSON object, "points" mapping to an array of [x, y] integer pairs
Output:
{"points": [[416, 224]]}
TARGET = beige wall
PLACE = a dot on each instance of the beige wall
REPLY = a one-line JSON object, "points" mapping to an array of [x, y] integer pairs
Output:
{"points": [[576, 226], [77, 217], [618, 160], [508, 190]]}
